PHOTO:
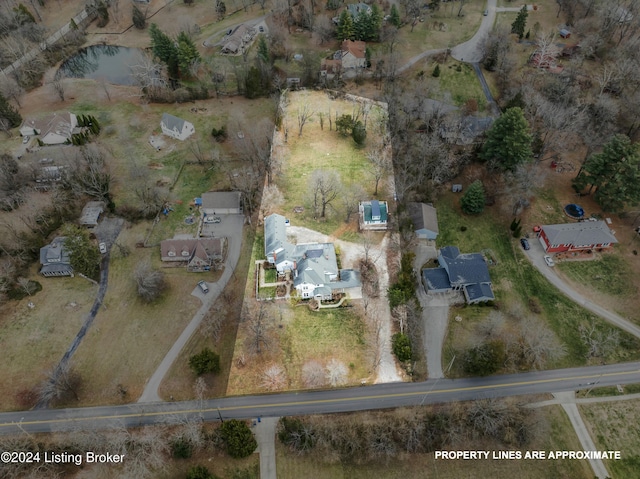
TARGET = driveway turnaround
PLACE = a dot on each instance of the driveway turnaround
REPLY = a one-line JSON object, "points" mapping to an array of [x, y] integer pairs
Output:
{"points": [[471, 50], [536, 256], [234, 224]]}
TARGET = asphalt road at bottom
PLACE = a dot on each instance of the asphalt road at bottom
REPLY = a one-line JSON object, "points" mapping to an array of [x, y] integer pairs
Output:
{"points": [[379, 396]]}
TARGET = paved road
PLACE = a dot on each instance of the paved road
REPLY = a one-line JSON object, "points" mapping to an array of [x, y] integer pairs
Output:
{"points": [[535, 255], [495, 111], [380, 396], [567, 400], [265, 432], [471, 51], [234, 224]]}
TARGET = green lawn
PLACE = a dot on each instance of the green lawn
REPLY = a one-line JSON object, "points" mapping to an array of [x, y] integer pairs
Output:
{"points": [[610, 274], [457, 84], [516, 281]]}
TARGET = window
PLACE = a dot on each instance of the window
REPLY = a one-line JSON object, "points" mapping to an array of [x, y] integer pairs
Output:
{"points": [[171, 253]]}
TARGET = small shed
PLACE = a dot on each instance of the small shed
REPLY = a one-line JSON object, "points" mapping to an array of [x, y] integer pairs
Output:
{"points": [[456, 188], [564, 33]]}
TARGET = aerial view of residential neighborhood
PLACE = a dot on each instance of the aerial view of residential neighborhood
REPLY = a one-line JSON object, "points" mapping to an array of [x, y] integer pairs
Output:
{"points": [[284, 239]]}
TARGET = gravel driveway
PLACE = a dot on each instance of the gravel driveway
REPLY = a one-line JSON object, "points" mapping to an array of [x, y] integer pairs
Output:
{"points": [[349, 254]]}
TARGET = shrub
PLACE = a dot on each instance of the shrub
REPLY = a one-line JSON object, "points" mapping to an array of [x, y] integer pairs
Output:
{"points": [[139, 19], [485, 359], [238, 438], [401, 347], [219, 134], [436, 71], [358, 133], [181, 448], [199, 472], [472, 202], [206, 361]]}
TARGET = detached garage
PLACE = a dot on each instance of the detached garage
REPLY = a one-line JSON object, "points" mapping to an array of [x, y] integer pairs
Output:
{"points": [[222, 203]]}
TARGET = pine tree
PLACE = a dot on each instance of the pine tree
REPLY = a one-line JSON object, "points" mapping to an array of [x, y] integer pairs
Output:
{"points": [[358, 133], [395, 16], [520, 23], [472, 202], [139, 19], [508, 141], [375, 23], [187, 53], [263, 50], [345, 30], [614, 173], [436, 71], [165, 49]]}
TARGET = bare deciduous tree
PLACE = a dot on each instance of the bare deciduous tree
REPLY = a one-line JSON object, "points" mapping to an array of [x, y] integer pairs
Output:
{"points": [[336, 372], [324, 186], [59, 86], [600, 342], [351, 198], [304, 114], [259, 322], [9, 88], [274, 378], [272, 199], [27, 285], [62, 384], [150, 282], [379, 165], [313, 375]]}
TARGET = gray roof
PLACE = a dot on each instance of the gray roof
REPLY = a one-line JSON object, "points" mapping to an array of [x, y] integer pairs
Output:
{"points": [[172, 122], [478, 292], [275, 234], [91, 213], [436, 278], [54, 253], [355, 8], [424, 217], [316, 265], [465, 268], [579, 234]]}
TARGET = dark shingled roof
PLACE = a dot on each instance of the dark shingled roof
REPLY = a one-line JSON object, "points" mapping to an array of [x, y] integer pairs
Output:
{"points": [[479, 292], [436, 278], [579, 234]]}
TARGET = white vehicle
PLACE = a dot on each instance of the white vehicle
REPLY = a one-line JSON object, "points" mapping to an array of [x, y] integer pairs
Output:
{"points": [[103, 248], [549, 260], [25, 140]]}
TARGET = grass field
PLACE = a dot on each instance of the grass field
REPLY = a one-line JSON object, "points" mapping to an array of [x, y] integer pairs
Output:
{"points": [[613, 427], [32, 341], [608, 391], [457, 87], [321, 148], [418, 466], [515, 282], [609, 274]]}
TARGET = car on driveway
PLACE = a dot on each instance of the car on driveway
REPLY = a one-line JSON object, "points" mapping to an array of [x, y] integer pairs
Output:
{"points": [[217, 219], [103, 248], [203, 286], [25, 140], [525, 243], [549, 260], [485, 13]]}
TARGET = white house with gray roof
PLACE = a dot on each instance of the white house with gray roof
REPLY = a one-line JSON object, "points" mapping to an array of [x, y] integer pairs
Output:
{"points": [[313, 266], [176, 127], [460, 272]]}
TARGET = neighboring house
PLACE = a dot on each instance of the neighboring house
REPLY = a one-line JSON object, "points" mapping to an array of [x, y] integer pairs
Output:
{"points": [[356, 8], [47, 174], [373, 215], [176, 127], [238, 39], [460, 272], [351, 54], [564, 33], [54, 259], [221, 203], [583, 236], [91, 213], [424, 219], [314, 267], [464, 130], [54, 129], [196, 254]]}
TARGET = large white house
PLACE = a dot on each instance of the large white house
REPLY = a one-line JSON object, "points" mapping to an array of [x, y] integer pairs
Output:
{"points": [[314, 266], [176, 127], [53, 129]]}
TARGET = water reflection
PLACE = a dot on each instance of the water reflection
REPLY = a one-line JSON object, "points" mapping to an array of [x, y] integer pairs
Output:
{"points": [[113, 63]]}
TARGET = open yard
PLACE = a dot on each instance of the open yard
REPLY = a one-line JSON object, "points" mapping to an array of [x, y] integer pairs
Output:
{"points": [[613, 426], [560, 436], [323, 148], [518, 287]]}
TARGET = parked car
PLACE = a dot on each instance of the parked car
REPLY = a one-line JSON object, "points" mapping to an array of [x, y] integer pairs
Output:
{"points": [[549, 260], [525, 243], [25, 140], [261, 29], [217, 219], [203, 286], [103, 248], [485, 13]]}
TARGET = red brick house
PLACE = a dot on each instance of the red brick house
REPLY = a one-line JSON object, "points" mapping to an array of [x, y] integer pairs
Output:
{"points": [[583, 236]]}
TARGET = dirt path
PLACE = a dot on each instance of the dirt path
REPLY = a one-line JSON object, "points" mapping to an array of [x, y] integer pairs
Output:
{"points": [[350, 253]]}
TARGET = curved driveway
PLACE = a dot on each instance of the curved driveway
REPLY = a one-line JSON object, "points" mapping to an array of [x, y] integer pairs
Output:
{"points": [[234, 242], [536, 254], [470, 50]]}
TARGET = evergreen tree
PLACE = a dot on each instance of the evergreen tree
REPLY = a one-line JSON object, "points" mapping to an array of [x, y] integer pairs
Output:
{"points": [[206, 361], [164, 48], [263, 50], [472, 202], [333, 4], [345, 30], [253, 84], [520, 23], [436, 71], [395, 16], [139, 19], [9, 113], [83, 254], [361, 26], [508, 141], [187, 53], [358, 133], [375, 23], [238, 438], [614, 173]]}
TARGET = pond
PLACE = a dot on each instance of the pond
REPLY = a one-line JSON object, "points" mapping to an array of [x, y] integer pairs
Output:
{"points": [[108, 62]]}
